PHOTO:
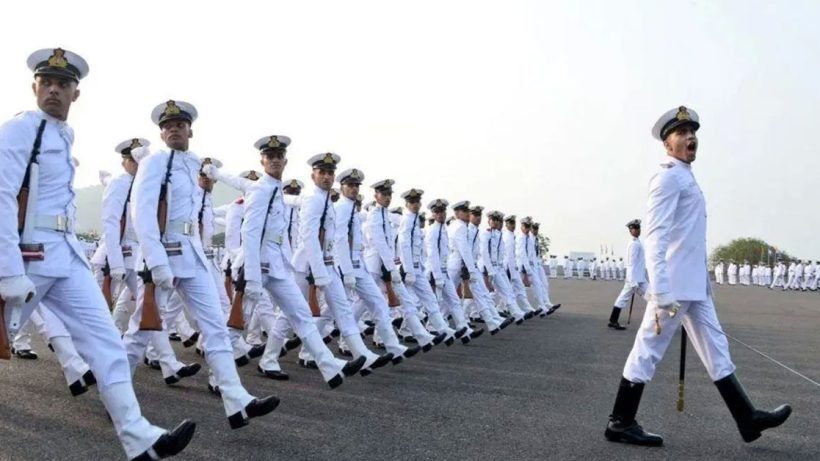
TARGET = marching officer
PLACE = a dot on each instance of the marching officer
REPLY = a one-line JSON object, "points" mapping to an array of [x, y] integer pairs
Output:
{"points": [[635, 274], [679, 292], [175, 260], [42, 260]]}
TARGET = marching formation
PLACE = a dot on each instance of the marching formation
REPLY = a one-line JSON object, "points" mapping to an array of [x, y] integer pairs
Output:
{"points": [[301, 265], [798, 275]]}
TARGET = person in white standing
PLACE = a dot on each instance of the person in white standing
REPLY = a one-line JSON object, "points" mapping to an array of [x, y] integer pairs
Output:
{"points": [[635, 282]]}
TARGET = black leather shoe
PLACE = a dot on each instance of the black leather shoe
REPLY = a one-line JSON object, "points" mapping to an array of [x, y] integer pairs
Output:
{"points": [[528, 315], [476, 333], [750, 421], [89, 378], [77, 388], [293, 343], [382, 361], [449, 341], [153, 364], [439, 338], [353, 366], [345, 352], [411, 351], [477, 320], [427, 347], [214, 390], [369, 331], [460, 333], [191, 341], [242, 361], [170, 443], [378, 345], [555, 307], [184, 372], [465, 339], [631, 433], [327, 339], [308, 364], [25, 354], [495, 332], [519, 321], [277, 375], [199, 352], [283, 352], [174, 337], [335, 332], [616, 326], [410, 339], [396, 322], [255, 409], [256, 351]]}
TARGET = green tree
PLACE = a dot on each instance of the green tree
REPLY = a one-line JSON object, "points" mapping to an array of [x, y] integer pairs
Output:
{"points": [[751, 249], [89, 236], [218, 239], [543, 245]]}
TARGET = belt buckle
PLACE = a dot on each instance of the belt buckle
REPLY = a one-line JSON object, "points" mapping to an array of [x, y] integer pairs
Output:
{"points": [[265, 268], [357, 264], [279, 239], [416, 265], [328, 260], [61, 224], [187, 228], [127, 251]]}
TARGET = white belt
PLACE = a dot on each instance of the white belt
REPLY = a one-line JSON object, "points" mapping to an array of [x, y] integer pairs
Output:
{"points": [[59, 223], [180, 227], [275, 238]]}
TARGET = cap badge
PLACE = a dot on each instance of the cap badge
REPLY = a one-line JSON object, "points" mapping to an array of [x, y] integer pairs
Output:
{"points": [[273, 142], [135, 143], [171, 108], [683, 114], [328, 159], [57, 59]]}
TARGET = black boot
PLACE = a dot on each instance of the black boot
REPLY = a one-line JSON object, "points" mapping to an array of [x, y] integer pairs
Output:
{"points": [[622, 426], [613, 319], [750, 422]]}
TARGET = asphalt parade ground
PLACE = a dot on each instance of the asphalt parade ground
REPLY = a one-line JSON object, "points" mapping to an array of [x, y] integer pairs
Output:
{"points": [[542, 390]]}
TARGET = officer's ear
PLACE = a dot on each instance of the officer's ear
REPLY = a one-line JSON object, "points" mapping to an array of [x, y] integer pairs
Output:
{"points": [[76, 95], [190, 132], [34, 87]]}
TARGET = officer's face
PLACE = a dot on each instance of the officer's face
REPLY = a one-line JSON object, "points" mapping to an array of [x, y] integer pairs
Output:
{"points": [[463, 215], [130, 165], [475, 219], [350, 190], [635, 231], [510, 226], [55, 94], [176, 133], [682, 144], [323, 178], [384, 198], [206, 183], [414, 206], [525, 228], [440, 216], [274, 163]]}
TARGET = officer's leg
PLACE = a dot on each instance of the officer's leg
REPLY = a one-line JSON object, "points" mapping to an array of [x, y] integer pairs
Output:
{"points": [[371, 297], [77, 373]]}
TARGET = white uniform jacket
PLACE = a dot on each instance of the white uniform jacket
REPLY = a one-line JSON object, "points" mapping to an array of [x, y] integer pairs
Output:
{"points": [[55, 199], [675, 235], [183, 211]]}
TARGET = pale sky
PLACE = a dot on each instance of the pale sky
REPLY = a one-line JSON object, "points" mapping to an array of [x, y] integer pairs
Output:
{"points": [[531, 107]]}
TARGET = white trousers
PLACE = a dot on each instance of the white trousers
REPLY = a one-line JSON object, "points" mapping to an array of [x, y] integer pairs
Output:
{"points": [[704, 331], [626, 293], [55, 333], [202, 299], [79, 304]]}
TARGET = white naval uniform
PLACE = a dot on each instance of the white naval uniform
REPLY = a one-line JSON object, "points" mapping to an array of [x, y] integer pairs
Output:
{"points": [[732, 274], [719, 273], [554, 268], [621, 271], [460, 262], [437, 245], [484, 289], [349, 252], [567, 268], [318, 259], [193, 281], [525, 260], [512, 270], [493, 262], [381, 259], [635, 273], [543, 283], [675, 240], [411, 247], [266, 214], [779, 270], [63, 280]]}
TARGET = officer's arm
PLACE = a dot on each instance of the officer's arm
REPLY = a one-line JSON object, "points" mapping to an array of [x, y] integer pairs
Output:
{"points": [[342, 244], [433, 258], [664, 193], [486, 261], [113, 202], [464, 248], [256, 212], [309, 220], [237, 182], [145, 198], [15, 148], [405, 241], [379, 241], [521, 252]]}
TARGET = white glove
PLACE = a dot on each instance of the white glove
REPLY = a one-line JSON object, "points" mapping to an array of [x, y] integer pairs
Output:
{"points": [[665, 301], [253, 290], [395, 276], [210, 171], [439, 282], [349, 281], [140, 153], [409, 278], [163, 277], [16, 290], [117, 273], [321, 282], [105, 177]]}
